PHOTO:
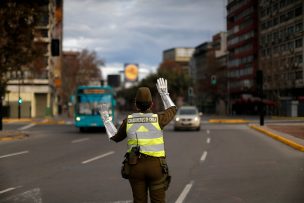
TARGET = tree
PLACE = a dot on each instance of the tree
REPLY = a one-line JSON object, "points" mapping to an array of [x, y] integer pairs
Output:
{"points": [[17, 50], [178, 84], [79, 68], [179, 80]]}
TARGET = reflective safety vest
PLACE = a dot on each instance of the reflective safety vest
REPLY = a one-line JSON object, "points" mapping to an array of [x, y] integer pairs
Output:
{"points": [[143, 130]]}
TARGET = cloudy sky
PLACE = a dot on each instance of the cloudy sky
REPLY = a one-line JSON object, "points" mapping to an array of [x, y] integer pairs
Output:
{"points": [[138, 31]]}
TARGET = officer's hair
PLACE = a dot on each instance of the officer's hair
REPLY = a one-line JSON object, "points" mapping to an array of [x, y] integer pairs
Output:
{"points": [[143, 105]]}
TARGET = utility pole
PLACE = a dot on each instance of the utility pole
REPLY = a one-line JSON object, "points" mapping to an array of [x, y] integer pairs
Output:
{"points": [[19, 98], [1, 109], [259, 84]]}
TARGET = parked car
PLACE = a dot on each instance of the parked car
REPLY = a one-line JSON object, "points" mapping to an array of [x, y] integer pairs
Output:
{"points": [[187, 117]]}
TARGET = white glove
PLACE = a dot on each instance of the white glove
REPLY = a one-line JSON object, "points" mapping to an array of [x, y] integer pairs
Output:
{"points": [[107, 120], [162, 88]]}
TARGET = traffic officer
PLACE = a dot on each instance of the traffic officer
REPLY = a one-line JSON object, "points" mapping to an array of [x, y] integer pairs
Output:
{"points": [[145, 164]]}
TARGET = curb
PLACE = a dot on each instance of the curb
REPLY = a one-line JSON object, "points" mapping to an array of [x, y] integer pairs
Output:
{"points": [[10, 136], [279, 138], [229, 121]]}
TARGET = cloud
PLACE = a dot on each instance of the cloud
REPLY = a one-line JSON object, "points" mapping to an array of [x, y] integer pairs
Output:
{"points": [[138, 31]]}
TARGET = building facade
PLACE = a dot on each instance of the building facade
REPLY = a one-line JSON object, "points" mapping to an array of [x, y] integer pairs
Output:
{"points": [[242, 45], [281, 54], [180, 55], [208, 70], [40, 91]]}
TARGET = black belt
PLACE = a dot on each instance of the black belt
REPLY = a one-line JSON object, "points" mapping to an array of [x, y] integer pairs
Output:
{"points": [[145, 156]]}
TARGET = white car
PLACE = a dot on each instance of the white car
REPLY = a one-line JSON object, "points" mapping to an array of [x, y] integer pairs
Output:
{"points": [[187, 117]]}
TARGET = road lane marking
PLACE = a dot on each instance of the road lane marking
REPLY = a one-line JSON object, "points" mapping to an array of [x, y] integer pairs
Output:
{"points": [[208, 140], [208, 131], [27, 126], [80, 140], [184, 193], [14, 154], [33, 195], [98, 157], [7, 190], [203, 157]]}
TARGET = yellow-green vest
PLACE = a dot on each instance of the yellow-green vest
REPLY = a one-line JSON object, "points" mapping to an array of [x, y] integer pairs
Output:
{"points": [[143, 130]]}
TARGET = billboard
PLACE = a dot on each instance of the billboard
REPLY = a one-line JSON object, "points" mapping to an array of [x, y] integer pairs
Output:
{"points": [[131, 72]]}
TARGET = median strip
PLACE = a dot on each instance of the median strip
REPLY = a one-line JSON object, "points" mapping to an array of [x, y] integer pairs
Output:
{"points": [[228, 121], [280, 138]]}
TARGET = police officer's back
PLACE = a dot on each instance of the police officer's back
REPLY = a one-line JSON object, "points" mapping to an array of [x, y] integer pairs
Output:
{"points": [[145, 164]]}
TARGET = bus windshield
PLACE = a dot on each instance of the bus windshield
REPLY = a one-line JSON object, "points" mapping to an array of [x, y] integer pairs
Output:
{"points": [[90, 104]]}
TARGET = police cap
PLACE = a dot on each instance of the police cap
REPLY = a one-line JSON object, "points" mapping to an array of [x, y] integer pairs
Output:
{"points": [[143, 95]]}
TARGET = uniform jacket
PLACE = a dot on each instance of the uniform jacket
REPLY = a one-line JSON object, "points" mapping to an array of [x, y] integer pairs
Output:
{"points": [[164, 118]]}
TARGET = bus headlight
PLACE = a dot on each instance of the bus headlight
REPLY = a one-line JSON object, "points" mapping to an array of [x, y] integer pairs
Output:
{"points": [[77, 118]]}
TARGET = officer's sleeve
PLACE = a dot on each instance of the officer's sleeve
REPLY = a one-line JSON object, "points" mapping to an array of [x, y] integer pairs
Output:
{"points": [[121, 133], [166, 116]]}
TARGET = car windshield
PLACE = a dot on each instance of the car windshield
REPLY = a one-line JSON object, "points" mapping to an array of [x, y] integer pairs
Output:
{"points": [[187, 111]]}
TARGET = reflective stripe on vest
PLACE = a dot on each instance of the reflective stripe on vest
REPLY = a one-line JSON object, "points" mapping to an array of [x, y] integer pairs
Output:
{"points": [[144, 130]]}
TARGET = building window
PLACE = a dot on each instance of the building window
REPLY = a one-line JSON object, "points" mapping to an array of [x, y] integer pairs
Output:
{"points": [[299, 27], [299, 59], [298, 11], [298, 43], [299, 75]]}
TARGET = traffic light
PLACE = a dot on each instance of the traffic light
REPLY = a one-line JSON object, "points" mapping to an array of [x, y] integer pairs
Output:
{"points": [[55, 47], [20, 100], [213, 79]]}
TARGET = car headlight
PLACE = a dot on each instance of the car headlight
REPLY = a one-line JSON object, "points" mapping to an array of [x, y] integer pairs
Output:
{"points": [[77, 118], [196, 119], [177, 119]]}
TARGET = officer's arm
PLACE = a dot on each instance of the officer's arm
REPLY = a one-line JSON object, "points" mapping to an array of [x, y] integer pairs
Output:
{"points": [[162, 88], [107, 121], [121, 133], [166, 116]]}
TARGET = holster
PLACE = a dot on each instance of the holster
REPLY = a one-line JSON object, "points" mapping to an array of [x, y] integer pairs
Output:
{"points": [[125, 169]]}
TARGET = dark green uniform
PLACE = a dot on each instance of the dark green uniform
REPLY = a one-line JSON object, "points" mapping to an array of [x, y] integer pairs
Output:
{"points": [[148, 171]]}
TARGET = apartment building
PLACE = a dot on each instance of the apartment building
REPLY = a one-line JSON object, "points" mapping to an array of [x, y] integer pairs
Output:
{"points": [[180, 55], [242, 45], [40, 91], [281, 52], [208, 63]]}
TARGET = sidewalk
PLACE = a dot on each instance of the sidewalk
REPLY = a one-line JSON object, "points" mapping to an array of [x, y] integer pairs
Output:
{"points": [[291, 134], [8, 135]]}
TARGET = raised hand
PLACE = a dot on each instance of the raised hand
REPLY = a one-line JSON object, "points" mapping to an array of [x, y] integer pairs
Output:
{"points": [[104, 112], [162, 86]]}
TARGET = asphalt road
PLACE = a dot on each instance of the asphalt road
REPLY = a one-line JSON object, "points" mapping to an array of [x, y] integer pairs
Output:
{"points": [[220, 163]]}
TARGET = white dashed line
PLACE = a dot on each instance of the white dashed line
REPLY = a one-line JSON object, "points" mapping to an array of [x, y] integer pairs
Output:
{"points": [[80, 140], [203, 157], [208, 140], [208, 131], [98, 157], [9, 189], [184, 193], [27, 126], [13, 154]]}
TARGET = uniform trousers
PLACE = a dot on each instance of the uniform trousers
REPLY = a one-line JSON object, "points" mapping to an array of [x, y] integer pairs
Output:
{"points": [[146, 171]]}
